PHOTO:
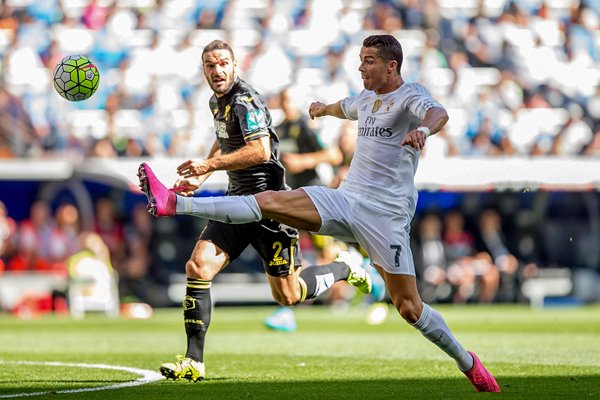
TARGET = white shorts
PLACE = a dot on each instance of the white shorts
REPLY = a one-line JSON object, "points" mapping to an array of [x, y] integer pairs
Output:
{"points": [[383, 233]]}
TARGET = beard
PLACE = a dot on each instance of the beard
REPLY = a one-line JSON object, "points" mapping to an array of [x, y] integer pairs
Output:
{"points": [[223, 87]]}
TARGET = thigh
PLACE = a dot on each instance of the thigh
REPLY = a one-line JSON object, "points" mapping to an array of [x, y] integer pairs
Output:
{"points": [[291, 207], [385, 236], [278, 247], [334, 209], [207, 260], [232, 239]]}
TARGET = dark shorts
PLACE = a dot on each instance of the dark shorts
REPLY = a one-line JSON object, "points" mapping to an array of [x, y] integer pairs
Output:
{"points": [[276, 243]]}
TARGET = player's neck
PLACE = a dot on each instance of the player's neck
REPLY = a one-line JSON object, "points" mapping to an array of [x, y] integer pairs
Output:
{"points": [[390, 85]]}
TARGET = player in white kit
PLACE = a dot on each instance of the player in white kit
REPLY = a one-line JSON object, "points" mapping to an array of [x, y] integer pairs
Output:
{"points": [[374, 205]]}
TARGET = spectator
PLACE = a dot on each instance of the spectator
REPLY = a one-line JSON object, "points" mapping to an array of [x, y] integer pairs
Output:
{"points": [[17, 133], [38, 242], [430, 260], [575, 134], [593, 149], [347, 144], [302, 149], [91, 277], [473, 275], [110, 228], [134, 274], [490, 229], [383, 16], [8, 228]]}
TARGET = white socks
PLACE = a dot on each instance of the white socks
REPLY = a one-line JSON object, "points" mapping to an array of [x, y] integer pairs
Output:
{"points": [[433, 327], [228, 209]]}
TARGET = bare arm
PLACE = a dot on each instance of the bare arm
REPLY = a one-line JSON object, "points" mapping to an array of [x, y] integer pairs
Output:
{"points": [[318, 109], [255, 152], [435, 119], [214, 151], [296, 163], [187, 186]]}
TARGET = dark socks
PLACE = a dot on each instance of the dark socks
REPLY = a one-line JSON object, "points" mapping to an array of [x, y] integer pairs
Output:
{"points": [[315, 280], [197, 309]]}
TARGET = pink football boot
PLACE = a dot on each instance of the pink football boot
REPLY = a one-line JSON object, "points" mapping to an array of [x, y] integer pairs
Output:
{"points": [[161, 201], [480, 377]]}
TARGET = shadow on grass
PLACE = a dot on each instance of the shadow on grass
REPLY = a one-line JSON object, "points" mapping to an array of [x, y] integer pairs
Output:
{"points": [[546, 388]]}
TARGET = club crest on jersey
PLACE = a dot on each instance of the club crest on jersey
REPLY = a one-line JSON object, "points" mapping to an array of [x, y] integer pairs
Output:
{"points": [[376, 106], [389, 107]]}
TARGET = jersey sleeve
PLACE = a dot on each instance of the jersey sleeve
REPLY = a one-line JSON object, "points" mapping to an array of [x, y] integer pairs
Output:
{"points": [[350, 107], [418, 100], [252, 117]]}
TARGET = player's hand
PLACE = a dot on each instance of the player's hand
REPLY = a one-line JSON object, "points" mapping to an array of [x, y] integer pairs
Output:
{"points": [[415, 139], [316, 109], [191, 169], [186, 186], [293, 163]]}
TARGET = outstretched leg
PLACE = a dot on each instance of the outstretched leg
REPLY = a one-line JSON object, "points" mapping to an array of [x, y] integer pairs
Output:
{"points": [[404, 295], [163, 202], [293, 208]]}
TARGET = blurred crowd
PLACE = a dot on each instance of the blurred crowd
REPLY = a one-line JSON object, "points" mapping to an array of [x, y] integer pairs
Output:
{"points": [[518, 77], [53, 240], [462, 254]]}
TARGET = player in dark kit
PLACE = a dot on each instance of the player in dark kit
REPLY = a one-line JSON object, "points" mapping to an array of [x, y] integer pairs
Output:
{"points": [[247, 148]]}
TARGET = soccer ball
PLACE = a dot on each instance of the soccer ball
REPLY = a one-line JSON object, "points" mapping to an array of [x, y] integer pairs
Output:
{"points": [[76, 78]]}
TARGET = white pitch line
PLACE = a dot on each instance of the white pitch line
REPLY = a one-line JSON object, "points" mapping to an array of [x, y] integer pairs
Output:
{"points": [[147, 376]]}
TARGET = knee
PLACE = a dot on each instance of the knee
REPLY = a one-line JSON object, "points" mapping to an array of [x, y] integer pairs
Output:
{"points": [[286, 298], [197, 268], [409, 309], [286, 301]]}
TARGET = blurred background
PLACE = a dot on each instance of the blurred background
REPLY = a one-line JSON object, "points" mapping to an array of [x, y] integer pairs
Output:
{"points": [[509, 208]]}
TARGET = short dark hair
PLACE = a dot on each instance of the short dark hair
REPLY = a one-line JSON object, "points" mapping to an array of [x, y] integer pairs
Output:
{"points": [[388, 48], [217, 45]]}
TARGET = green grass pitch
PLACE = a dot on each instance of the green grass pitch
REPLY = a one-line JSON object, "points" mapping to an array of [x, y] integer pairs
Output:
{"points": [[546, 354]]}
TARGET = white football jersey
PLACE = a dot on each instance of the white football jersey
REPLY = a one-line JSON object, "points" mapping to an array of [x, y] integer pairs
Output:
{"points": [[381, 168]]}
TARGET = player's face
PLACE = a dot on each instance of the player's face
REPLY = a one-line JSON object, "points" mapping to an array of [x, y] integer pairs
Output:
{"points": [[374, 70], [219, 70]]}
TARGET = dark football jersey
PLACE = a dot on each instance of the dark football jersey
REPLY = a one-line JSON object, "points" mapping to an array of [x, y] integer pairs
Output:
{"points": [[240, 116], [296, 137]]}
